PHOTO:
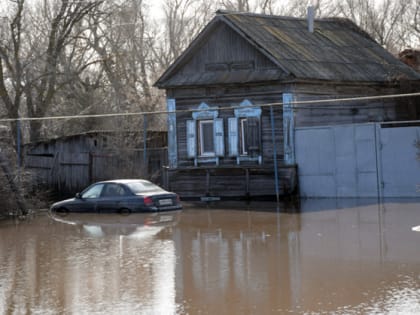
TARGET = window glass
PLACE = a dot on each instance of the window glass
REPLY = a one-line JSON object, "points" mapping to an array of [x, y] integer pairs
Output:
{"points": [[249, 136], [143, 187], [93, 192], [113, 190], [206, 137], [243, 138]]}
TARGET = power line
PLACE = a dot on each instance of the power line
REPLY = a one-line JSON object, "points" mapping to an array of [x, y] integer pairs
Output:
{"points": [[326, 104]]}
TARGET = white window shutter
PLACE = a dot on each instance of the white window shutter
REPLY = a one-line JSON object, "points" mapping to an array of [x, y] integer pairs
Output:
{"points": [[219, 137], [191, 139], [233, 136]]}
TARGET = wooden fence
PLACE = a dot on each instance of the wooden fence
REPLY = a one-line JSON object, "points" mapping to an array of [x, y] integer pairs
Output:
{"points": [[71, 172]]}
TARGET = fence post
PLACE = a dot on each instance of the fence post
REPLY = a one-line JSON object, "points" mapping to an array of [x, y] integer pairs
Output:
{"points": [[145, 164], [276, 171], [90, 167], [18, 143]]}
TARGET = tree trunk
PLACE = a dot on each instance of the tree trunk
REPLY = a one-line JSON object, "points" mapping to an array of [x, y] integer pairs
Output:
{"points": [[15, 189], [35, 127]]}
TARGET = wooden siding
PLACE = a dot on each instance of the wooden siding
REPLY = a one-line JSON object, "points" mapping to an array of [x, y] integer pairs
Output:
{"points": [[222, 103], [241, 181], [67, 165], [226, 48], [228, 179], [226, 57], [348, 112]]}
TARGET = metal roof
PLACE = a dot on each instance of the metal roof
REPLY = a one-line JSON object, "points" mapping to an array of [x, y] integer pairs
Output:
{"points": [[337, 50]]}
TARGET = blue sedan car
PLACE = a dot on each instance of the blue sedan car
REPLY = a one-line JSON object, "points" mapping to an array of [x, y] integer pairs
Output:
{"points": [[123, 196]]}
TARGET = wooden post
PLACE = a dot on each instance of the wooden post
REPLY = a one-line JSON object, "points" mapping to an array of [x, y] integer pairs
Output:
{"points": [[18, 145], [90, 167], [165, 177], [145, 162], [276, 172]]}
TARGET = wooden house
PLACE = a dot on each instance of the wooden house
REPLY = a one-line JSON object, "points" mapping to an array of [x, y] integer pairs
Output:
{"points": [[231, 94]]}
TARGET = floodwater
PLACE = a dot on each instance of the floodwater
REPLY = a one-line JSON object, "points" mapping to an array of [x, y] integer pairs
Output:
{"points": [[323, 257]]}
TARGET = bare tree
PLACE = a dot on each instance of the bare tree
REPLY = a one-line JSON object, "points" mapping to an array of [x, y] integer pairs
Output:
{"points": [[183, 21], [121, 39], [11, 69], [385, 21], [237, 5], [29, 75], [416, 19], [410, 26], [42, 84]]}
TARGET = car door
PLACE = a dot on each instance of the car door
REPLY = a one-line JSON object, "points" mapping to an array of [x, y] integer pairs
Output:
{"points": [[112, 198], [88, 199]]}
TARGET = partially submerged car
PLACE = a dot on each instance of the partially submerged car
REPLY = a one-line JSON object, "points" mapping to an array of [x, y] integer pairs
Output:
{"points": [[123, 196]]}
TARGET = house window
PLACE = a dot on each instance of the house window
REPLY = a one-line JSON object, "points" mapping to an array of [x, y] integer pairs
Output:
{"points": [[206, 139], [244, 132], [205, 135], [249, 136]]}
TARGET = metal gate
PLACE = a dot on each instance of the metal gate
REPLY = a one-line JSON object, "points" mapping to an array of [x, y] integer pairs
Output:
{"points": [[360, 160], [400, 163]]}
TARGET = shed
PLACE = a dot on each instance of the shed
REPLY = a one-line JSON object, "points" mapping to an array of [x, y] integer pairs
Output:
{"points": [[231, 94], [69, 164]]}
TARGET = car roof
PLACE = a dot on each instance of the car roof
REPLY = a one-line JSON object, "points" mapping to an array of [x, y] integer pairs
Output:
{"points": [[124, 181]]}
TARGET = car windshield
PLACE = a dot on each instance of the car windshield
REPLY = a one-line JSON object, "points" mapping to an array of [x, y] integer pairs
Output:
{"points": [[143, 187], [92, 192]]}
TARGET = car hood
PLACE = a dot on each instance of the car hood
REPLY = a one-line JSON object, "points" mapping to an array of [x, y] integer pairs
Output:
{"points": [[59, 203]]}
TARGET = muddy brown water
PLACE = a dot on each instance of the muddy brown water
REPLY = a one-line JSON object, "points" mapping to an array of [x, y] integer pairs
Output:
{"points": [[323, 257]]}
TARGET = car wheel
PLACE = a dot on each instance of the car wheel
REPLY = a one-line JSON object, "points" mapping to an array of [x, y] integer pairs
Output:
{"points": [[124, 211], [62, 211]]}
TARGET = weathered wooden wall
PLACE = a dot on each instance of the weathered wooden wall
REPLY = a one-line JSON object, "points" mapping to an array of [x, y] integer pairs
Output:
{"points": [[349, 112], [225, 101], [242, 182], [222, 46], [69, 164]]}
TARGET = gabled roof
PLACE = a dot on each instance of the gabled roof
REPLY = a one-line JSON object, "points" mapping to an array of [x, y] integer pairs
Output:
{"points": [[337, 50]]}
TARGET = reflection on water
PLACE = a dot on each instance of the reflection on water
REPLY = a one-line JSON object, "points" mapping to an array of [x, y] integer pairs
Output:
{"points": [[325, 257]]}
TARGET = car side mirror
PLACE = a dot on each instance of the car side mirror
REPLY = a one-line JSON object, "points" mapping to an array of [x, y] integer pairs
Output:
{"points": [[78, 196]]}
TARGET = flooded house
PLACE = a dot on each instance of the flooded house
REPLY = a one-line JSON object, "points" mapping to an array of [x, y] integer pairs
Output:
{"points": [[239, 90]]}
